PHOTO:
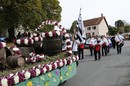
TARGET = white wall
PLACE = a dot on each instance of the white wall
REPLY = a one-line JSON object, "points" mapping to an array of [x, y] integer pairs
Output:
{"points": [[103, 29], [96, 31]]}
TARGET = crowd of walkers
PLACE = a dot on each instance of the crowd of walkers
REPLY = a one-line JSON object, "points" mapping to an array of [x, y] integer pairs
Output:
{"points": [[98, 46]]}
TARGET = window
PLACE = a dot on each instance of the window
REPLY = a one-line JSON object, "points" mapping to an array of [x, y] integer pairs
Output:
{"points": [[93, 33], [88, 34], [89, 28], [94, 27]]}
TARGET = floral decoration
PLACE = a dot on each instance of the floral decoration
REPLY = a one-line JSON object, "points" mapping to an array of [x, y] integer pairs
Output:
{"points": [[51, 34], [2, 45], [20, 76], [40, 69], [15, 49], [16, 79], [34, 58], [49, 22], [24, 41], [37, 38], [68, 44]]}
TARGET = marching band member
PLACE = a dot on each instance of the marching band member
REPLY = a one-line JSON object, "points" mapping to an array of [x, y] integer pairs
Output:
{"points": [[91, 45], [104, 45], [97, 46]]}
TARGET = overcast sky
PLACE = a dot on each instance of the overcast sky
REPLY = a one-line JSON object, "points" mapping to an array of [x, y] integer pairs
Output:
{"points": [[113, 10]]}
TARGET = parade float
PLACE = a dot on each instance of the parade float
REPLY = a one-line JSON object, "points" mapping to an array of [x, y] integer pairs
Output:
{"points": [[38, 60]]}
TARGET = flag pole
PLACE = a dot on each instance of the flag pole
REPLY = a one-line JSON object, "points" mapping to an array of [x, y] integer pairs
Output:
{"points": [[80, 27]]}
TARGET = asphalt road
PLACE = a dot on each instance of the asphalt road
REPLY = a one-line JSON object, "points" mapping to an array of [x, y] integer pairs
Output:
{"points": [[111, 70]]}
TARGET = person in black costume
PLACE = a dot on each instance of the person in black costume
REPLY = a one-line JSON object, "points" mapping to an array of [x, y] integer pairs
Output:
{"points": [[113, 42]]}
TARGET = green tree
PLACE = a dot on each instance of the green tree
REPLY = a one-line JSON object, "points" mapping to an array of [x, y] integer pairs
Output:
{"points": [[52, 9], [28, 13], [127, 28], [120, 25], [112, 30], [73, 27]]}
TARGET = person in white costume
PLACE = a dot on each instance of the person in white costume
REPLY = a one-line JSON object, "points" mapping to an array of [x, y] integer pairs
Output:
{"points": [[105, 43], [119, 42], [91, 45]]}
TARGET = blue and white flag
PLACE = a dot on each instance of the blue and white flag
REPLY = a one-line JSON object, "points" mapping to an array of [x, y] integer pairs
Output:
{"points": [[80, 27]]}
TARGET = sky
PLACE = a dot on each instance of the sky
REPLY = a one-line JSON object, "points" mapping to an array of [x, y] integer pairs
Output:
{"points": [[113, 10]]}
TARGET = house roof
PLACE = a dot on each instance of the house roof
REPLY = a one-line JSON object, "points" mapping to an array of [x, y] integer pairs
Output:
{"points": [[94, 21]]}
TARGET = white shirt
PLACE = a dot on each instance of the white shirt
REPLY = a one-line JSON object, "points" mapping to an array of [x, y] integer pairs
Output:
{"points": [[92, 41], [105, 40], [109, 41], [119, 38], [75, 45]]}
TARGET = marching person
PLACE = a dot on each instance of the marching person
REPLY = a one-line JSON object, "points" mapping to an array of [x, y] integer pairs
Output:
{"points": [[119, 41], [81, 50], [113, 42], [104, 45], [91, 45], [108, 45], [97, 46]]}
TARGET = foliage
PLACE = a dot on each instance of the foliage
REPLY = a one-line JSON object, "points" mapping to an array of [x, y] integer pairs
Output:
{"points": [[68, 31], [47, 28], [52, 9], [127, 28], [112, 30], [28, 13], [72, 29], [119, 23]]}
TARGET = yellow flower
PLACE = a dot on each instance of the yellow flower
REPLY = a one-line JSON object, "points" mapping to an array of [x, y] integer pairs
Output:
{"points": [[67, 74], [70, 68], [49, 74], [46, 83], [29, 83], [61, 78]]}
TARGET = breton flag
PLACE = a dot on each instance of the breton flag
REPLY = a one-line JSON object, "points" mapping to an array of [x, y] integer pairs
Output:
{"points": [[80, 27]]}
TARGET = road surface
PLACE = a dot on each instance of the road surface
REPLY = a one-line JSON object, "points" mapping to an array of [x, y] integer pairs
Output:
{"points": [[111, 70]]}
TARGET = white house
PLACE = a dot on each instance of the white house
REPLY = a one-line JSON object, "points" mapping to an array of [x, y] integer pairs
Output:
{"points": [[96, 26]]}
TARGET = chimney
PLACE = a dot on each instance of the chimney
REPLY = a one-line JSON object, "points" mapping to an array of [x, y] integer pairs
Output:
{"points": [[101, 14]]}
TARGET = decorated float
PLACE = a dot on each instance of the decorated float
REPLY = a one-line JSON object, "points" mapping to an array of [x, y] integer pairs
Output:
{"points": [[38, 60]]}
